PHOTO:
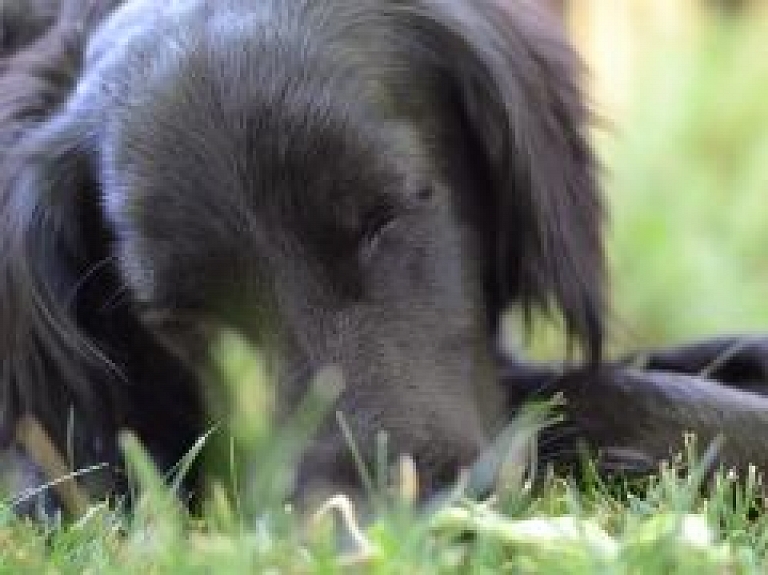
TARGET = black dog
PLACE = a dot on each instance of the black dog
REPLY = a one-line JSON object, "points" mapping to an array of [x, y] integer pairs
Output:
{"points": [[362, 183]]}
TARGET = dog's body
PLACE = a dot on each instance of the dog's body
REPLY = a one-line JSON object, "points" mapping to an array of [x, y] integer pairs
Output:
{"points": [[360, 183]]}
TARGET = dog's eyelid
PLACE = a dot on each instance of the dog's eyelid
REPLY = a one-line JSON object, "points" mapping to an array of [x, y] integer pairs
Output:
{"points": [[375, 225], [386, 214], [378, 220], [425, 193]]}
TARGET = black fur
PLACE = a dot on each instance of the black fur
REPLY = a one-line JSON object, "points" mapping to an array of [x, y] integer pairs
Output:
{"points": [[364, 183]]}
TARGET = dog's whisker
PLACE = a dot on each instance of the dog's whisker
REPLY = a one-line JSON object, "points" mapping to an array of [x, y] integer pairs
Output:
{"points": [[92, 271]]}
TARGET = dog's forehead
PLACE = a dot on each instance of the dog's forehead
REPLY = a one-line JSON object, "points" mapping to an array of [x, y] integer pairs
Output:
{"points": [[195, 179], [272, 145], [259, 129], [266, 135]]}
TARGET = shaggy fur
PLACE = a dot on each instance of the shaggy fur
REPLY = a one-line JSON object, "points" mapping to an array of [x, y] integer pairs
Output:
{"points": [[358, 183], [365, 184]]}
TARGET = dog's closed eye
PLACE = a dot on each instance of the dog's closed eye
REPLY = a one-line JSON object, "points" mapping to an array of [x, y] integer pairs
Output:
{"points": [[382, 219], [377, 223]]}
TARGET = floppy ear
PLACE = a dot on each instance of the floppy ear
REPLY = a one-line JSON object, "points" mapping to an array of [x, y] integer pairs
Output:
{"points": [[47, 196], [48, 232], [516, 81]]}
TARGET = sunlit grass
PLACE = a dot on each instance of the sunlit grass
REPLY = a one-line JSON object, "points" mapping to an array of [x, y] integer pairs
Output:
{"points": [[662, 526], [686, 519]]}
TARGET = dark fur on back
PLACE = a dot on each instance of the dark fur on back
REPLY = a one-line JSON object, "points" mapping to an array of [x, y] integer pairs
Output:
{"points": [[360, 183]]}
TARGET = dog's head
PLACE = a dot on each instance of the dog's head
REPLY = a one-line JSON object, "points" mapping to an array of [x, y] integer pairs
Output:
{"points": [[360, 184]]}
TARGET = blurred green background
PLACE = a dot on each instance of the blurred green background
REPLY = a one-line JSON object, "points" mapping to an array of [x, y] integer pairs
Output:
{"points": [[687, 184], [683, 137]]}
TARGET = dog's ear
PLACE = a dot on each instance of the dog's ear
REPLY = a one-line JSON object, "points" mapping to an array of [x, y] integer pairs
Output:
{"points": [[517, 85], [47, 234], [49, 222]]}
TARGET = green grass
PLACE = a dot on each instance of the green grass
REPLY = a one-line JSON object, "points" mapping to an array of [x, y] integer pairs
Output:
{"points": [[662, 526], [688, 181]]}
